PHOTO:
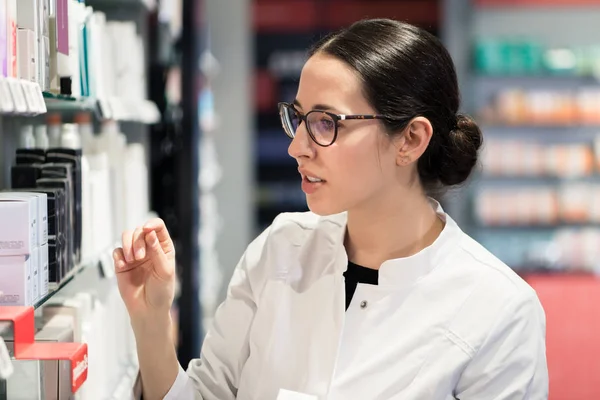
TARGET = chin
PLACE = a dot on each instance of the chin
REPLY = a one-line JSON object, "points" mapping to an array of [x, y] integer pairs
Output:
{"points": [[323, 207]]}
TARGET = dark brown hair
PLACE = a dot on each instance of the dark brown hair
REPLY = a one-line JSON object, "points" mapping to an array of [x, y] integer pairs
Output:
{"points": [[406, 72]]}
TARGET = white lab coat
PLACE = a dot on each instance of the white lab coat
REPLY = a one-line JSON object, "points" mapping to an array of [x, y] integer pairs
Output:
{"points": [[449, 322]]}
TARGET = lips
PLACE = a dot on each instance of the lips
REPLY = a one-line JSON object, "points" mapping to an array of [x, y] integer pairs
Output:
{"points": [[311, 182], [310, 176]]}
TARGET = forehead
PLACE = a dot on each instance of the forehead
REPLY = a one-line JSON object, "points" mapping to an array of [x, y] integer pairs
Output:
{"points": [[329, 81]]}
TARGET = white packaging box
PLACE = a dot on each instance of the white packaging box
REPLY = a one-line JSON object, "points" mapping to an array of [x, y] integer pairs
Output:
{"points": [[18, 227], [28, 12], [43, 270], [42, 211], [26, 55], [15, 281], [39, 255], [34, 265]]}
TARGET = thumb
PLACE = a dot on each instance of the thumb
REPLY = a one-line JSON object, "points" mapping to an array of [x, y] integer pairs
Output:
{"points": [[162, 266]]}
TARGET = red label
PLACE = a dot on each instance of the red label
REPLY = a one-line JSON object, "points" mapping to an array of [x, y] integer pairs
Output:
{"points": [[79, 370]]}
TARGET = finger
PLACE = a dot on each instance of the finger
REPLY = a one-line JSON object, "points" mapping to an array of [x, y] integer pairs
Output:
{"points": [[139, 244], [119, 261], [127, 240], [157, 255], [158, 225]]}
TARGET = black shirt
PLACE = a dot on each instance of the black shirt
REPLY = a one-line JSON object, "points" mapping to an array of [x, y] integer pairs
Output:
{"points": [[356, 274]]}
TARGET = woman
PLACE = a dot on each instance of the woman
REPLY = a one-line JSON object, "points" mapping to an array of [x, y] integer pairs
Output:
{"points": [[376, 293]]}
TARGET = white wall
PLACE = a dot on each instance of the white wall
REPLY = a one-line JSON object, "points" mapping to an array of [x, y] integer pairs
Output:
{"points": [[232, 41]]}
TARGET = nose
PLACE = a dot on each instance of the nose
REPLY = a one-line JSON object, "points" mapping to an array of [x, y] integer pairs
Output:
{"points": [[302, 145]]}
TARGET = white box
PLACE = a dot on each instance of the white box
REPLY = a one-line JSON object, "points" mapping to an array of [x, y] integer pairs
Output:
{"points": [[42, 212], [31, 198], [28, 17], [43, 268], [44, 44], [26, 55], [28, 14], [18, 228], [34, 265], [15, 281]]}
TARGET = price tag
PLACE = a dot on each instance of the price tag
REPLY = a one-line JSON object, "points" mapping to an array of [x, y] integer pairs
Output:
{"points": [[40, 100], [105, 110], [18, 95], [6, 99], [6, 367], [30, 96], [107, 264]]}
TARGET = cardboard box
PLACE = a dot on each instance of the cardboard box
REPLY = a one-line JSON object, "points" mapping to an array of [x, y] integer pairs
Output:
{"points": [[15, 281]]}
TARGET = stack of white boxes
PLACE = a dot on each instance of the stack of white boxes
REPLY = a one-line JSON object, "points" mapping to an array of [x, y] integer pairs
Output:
{"points": [[23, 248]]}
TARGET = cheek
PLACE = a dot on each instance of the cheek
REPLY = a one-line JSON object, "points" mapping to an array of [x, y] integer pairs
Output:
{"points": [[360, 168]]}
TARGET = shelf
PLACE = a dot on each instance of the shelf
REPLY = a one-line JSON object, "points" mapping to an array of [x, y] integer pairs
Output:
{"points": [[62, 103], [24, 98], [20, 97], [97, 261]]}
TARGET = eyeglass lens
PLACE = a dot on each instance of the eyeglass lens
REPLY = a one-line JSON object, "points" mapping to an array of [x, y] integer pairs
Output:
{"points": [[320, 125]]}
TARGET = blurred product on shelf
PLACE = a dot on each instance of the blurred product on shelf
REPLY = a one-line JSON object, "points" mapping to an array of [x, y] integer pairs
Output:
{"points": [[565, 203], [517, 106], [527, 56], [530, 158], [563, 250]]}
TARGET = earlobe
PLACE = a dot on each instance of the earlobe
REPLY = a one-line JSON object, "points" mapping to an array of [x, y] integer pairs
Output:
{"points": [[416, 139], [403, 160]]}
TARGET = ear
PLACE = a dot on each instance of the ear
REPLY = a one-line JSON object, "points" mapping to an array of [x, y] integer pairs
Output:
{"points": [[414, 141]]}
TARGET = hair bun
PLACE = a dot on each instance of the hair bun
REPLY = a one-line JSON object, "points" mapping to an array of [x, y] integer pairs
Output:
{"points": [[461, 156]]}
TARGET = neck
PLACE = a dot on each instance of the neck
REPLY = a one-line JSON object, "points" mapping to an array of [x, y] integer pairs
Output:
{"points": [[391, 229]]}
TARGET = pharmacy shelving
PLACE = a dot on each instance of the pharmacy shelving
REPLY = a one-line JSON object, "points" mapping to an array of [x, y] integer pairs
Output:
{"points": [[25, 98], [114, 30], [535, 93]]}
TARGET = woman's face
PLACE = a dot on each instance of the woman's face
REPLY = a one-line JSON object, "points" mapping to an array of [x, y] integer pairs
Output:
{"points": [[360, 168]]}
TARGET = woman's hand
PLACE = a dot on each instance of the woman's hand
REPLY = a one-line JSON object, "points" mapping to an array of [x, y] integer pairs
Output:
{"points": [[145, 269]]}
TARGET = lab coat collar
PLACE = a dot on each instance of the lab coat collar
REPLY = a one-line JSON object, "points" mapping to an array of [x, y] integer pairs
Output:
{"points": [[400, 271]]}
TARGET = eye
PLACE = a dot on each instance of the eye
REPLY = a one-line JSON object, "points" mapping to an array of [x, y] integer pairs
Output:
{"points": [[326, 123]]}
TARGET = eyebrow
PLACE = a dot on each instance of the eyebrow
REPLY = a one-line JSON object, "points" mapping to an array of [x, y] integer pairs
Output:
{"points": [[321, 107]]}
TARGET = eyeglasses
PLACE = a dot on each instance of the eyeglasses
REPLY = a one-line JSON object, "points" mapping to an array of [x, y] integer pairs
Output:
{"points": [[322, 126]]}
